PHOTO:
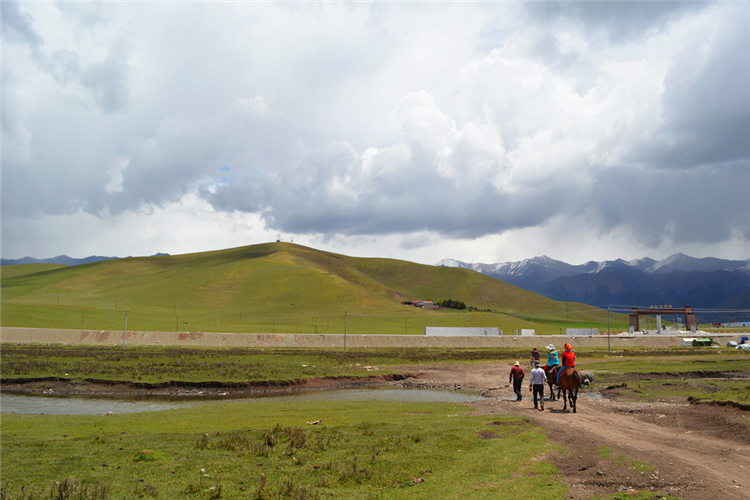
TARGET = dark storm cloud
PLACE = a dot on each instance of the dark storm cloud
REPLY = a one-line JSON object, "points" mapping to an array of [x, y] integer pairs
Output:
{"points": [[621, 21], [399, 191], [703, 205], [707, 103]]}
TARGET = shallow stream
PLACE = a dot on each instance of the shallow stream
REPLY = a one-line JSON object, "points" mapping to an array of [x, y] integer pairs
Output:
{"points": [[85, 405]]}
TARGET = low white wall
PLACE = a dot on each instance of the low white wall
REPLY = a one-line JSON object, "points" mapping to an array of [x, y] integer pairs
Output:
{"points": [[439, 331], [582, 331]]}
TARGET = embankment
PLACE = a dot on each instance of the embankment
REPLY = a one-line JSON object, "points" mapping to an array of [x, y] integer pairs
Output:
{"points": [[198, 339]]}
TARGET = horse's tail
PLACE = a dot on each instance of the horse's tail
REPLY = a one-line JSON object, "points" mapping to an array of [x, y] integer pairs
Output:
{"points": [[577, 377]]}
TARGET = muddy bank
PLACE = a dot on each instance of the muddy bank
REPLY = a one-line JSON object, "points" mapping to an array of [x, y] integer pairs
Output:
{"points": [[95, 387]]}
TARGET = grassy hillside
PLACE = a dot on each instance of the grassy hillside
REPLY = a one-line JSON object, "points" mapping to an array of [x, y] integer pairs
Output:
{"points": [[272, 288]]}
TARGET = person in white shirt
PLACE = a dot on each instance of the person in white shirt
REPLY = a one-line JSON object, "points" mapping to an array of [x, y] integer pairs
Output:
{"points": [[538, 379]]}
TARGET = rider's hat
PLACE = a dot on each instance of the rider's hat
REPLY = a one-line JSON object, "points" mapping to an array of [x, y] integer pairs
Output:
{"points": [[516, 364], [551, 347], [568, 346]]}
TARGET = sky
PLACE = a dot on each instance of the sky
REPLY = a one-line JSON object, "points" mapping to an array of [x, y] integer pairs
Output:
{"points": [[482, 132]]}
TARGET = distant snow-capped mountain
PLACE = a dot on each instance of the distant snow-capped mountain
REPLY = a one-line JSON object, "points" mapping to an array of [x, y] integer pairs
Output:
{"points": [[551, 267], [678, 279]]}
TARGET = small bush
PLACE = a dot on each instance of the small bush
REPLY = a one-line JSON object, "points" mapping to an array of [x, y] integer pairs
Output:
{"points": [[70, 489], [202, 442], [297, 437]]}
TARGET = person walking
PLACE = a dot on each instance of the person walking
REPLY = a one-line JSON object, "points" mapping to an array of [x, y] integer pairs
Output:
{"points": [[516, 376], [538, 378]]}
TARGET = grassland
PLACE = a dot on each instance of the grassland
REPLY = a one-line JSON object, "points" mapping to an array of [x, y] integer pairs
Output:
{"points": [[260, 450], [275, 288]]}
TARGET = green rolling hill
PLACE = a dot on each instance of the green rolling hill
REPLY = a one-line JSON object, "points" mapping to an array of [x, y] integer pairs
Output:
{"points": [[273, 288]]}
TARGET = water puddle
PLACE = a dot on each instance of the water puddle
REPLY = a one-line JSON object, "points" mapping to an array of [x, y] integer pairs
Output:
{"points": [[85, 405], [593, 395]]}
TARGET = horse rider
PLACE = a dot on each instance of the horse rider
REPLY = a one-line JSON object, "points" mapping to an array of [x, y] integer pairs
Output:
{"points": [[568, 360], [553, 359], [535, 357]]}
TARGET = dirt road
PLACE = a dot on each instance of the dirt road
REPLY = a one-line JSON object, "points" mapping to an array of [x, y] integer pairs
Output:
{"points": [[694, 452]]}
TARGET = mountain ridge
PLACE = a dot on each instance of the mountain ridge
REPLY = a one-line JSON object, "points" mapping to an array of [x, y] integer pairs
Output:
{"points": [[64, 260], [679, 279]]}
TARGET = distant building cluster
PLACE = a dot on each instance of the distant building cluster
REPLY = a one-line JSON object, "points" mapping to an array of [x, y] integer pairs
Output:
{"points": [[422, 304]]}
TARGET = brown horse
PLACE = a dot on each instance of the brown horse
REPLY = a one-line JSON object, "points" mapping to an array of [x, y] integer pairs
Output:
{"points": [[551, 379], [570, 381]]}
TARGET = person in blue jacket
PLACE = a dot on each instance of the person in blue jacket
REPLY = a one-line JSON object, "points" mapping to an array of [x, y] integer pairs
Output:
{"points": [[553, 359]]}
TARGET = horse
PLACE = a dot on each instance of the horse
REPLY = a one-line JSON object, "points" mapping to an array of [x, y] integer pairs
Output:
{"points": [[570, 381], [551, 379]]}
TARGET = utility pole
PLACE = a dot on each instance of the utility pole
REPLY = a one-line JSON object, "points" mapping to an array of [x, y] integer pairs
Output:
{"points": [[125, 333], [608, 332], [345, 315]]}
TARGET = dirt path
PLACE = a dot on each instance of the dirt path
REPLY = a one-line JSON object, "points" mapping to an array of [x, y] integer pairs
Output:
{"points": [[694, 452]]}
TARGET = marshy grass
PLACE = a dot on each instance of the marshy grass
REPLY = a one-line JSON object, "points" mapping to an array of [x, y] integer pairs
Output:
{"points": [[148, 364]]}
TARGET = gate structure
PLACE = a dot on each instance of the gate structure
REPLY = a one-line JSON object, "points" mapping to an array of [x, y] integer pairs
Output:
{"points": [[687, 311]]}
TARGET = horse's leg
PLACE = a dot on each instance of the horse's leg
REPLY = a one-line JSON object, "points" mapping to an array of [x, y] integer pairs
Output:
{"points": [[565, 399], [573, 399]]}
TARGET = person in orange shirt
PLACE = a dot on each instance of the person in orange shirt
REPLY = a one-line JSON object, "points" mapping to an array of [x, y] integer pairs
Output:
{"points": [[568, 360]]}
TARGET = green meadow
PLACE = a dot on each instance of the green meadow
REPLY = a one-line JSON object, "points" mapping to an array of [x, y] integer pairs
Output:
{"points": [[360, 450], [276, 288]]}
